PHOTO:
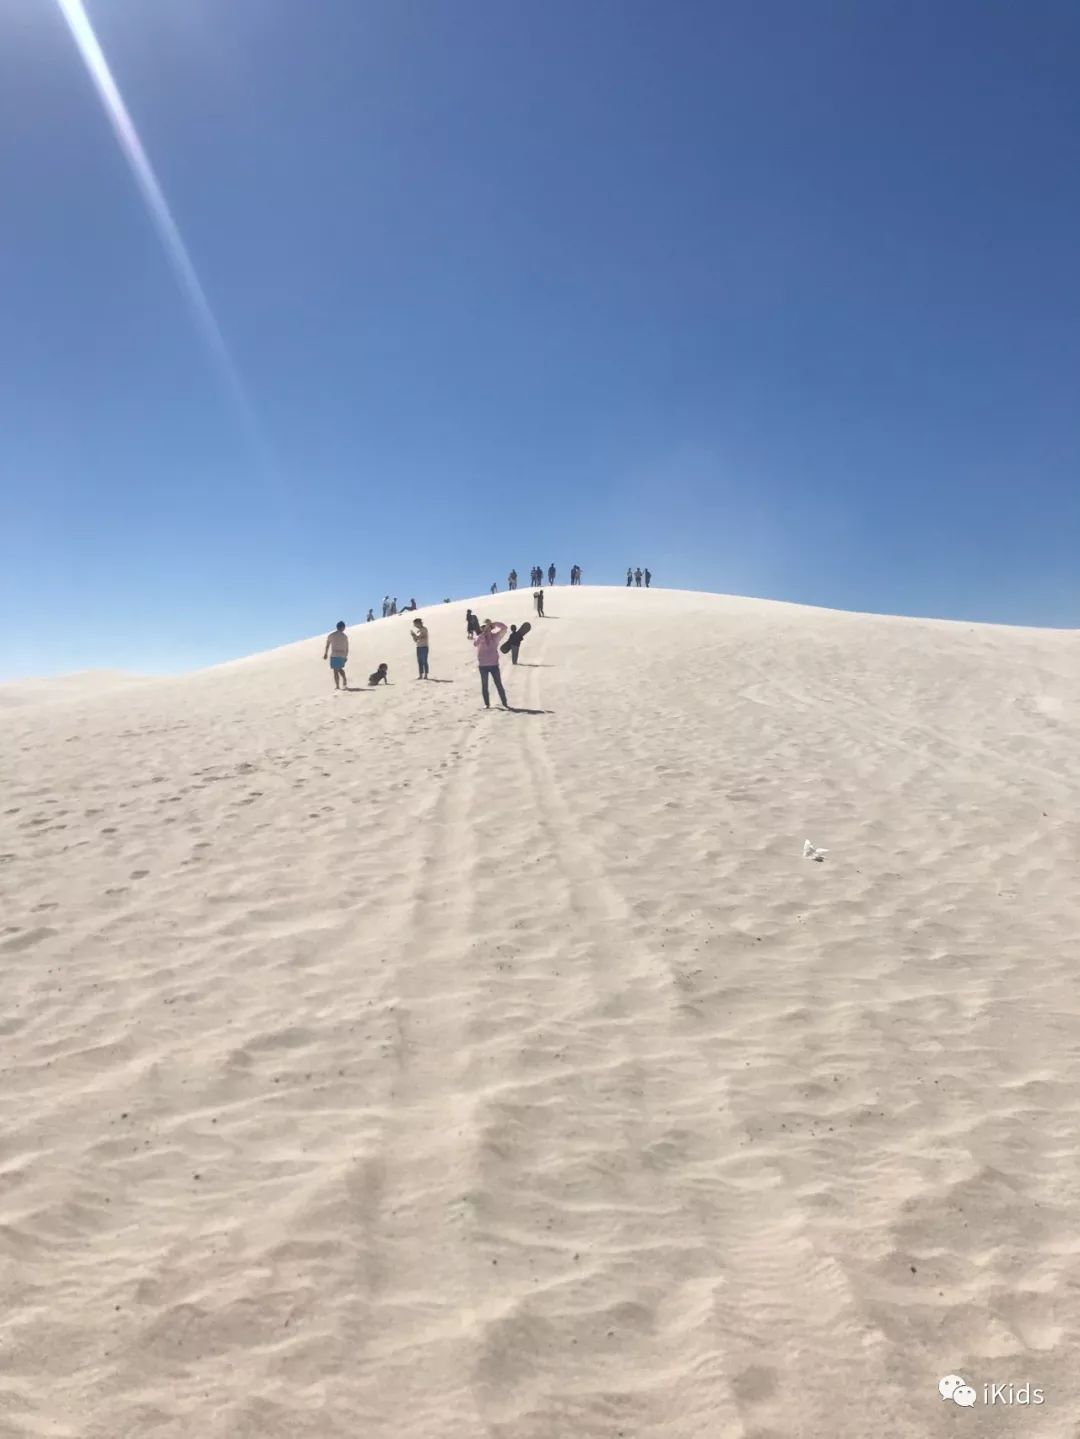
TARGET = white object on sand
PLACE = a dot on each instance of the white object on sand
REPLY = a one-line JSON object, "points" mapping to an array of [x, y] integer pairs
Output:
{"points": [[812, 852]]}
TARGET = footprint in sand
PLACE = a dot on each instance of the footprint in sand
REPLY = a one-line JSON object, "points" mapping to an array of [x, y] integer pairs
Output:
{"points": [[139, 873], [755, 1385]]}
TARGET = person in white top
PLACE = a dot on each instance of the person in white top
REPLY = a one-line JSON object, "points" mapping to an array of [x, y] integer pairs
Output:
{"points": [[337, 648], [422, 643]]}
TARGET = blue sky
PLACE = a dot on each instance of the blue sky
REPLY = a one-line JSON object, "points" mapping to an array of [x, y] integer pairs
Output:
{"points": [[777, 296]]}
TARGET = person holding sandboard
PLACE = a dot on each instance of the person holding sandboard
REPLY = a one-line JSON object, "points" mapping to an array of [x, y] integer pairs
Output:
{"points": [[513, 640]]}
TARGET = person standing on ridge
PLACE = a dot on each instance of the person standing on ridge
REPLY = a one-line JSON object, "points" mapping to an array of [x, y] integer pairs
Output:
{"points": [[420, 640], [393, 606], [337, 649], [370, 616], [551, 574], [629, 577], [511, 580], [637, 577], [385, 606], [486, 645], [648, 578]]}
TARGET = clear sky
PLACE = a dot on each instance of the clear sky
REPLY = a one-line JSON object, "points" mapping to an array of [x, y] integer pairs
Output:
{"points": [[777, 296]]}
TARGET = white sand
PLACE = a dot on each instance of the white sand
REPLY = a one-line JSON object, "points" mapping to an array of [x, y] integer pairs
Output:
{"points": [[87, 684], [377, 1066]]}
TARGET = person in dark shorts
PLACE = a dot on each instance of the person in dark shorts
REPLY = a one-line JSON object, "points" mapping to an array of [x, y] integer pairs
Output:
{"points": [[538, 601], [486, 645], [513, 639], [472, 624], [337, 650], [551, 574], [637, 577]]}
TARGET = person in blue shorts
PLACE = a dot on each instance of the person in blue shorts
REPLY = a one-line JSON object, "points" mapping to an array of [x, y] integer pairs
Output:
{"points": [[337, 648]]}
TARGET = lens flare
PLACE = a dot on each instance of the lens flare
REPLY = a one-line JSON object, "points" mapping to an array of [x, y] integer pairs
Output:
{"points": [[176, 251]]}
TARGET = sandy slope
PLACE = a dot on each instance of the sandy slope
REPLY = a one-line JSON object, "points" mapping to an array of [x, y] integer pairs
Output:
{"points": [[87, 684], [377, 1066]]}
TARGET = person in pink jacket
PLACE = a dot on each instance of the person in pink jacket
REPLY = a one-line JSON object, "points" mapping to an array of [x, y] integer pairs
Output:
{"points": [[486, 645]]}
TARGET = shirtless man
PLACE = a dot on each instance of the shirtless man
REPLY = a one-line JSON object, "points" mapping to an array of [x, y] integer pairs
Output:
{"points": [[337, 649]]}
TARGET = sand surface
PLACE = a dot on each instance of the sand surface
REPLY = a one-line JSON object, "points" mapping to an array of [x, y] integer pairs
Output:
{"points": [[87, 684], [375, 1065]]}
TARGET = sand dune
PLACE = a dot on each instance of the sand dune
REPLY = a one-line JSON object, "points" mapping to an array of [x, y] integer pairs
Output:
{"points": [[84, 685], [375, 1065]]}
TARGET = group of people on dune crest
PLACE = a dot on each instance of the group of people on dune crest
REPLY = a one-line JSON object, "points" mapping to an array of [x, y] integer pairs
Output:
{"points": [[484, 636]]}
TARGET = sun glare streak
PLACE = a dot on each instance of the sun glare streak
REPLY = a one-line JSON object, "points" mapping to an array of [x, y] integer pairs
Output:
{"points": [[82, 32]]}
